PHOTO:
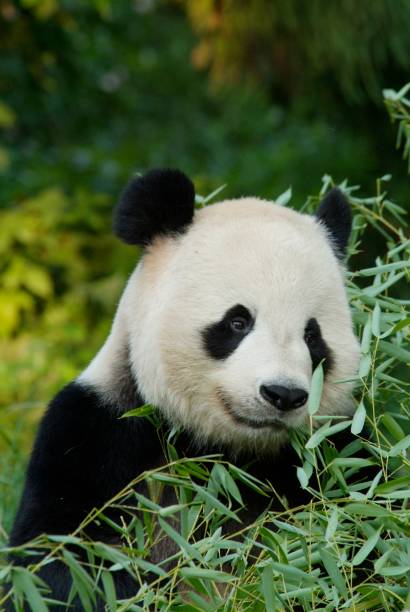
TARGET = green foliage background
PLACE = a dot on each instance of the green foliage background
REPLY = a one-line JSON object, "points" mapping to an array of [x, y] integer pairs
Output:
{"points": [[259, 96]]}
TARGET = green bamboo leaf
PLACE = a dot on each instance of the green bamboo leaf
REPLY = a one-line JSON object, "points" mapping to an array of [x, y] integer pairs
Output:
{"points": [[169, 479], [352, 462], [146, 502], [396, 495], [293, 574], [374, 484], [284, 198], [330, 565], [365, 365], [206, 574], [397, 265], [395, 351], [112, 554], [145, 566], [214, 502], [367, 509], [393, 484], [399, 570], [267, 587], [332, 524], [190, 551], [392, 426], [222, 476], [290, 528], [397, 248], [381, 561], [171, 510], [374, 290], [214, 193], [302, 477], [109, 590], [359, 419], [367, 548], [401, 325], [324, 432], [82, 581], [64, 539], [24, 582], [316, 388], [366, 336], [376, 320], [250, 481], [202, 605], [400, 447], [145, 410]]}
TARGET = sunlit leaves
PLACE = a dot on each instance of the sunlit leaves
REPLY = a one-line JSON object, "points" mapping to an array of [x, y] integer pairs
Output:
{"points": [[249, 41], [7, 116]]}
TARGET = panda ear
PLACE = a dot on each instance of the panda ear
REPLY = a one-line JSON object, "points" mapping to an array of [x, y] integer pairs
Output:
{"points": [[335, 214], [160, 202]]}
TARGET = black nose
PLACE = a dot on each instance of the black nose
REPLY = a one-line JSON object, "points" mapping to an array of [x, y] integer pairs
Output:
{"points": [[282, 397]]}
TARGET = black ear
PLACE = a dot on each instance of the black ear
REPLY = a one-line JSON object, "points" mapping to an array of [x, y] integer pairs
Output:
{"points": [[335, 214], [160, 202]]}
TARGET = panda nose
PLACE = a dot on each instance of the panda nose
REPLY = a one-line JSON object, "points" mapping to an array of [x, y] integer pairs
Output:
{"points": [[282, 397]]}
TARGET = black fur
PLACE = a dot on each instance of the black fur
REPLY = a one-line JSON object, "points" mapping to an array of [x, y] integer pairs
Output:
{"points": [[335, 214], [219, 339], [84, 454], [160, 202], [318, 349]]}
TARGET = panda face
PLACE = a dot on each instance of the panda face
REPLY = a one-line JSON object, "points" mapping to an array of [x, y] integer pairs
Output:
{"points": [[227, 322]]}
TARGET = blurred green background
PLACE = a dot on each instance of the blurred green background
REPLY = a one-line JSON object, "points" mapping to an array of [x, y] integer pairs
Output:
{"points": [[257, 95]]}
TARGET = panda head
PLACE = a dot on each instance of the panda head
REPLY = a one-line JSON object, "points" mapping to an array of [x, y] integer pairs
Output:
{"points": [[232, 307]]}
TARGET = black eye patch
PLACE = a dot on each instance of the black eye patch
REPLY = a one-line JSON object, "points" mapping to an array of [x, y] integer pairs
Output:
{"points": [[222, 338], [318, 348]]}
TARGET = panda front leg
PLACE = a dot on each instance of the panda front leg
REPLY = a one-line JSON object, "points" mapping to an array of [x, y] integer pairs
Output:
{"points": [[83, 455]]}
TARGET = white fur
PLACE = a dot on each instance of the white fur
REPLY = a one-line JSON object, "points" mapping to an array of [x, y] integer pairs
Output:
{"points": [[276, 262]]}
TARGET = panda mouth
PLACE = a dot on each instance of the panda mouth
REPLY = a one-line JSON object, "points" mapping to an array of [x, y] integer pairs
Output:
{"points": [[242, 420], [273, 424]]}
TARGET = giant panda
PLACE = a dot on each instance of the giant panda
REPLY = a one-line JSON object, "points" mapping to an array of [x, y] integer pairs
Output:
{"points": [[221, 325]]}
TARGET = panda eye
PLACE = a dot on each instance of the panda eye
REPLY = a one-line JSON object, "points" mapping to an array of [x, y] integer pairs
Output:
{"points": [[309, 337], [239, 324], [311, 331], [221, 339], [239, 320]]}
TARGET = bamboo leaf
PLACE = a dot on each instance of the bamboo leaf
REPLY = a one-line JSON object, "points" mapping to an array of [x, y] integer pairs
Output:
{"points": [[190, 551], [284, 198], [316, 388], [24, 582], [333, 571], [206, 574], [324, 432], [359, 419], [367, 548]]}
